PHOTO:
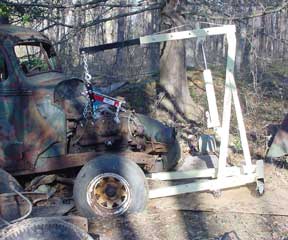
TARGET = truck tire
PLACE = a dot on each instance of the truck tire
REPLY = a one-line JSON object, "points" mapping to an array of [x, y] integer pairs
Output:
{"points": [[168, 161], [171, 159], [159, 132], [8, 183], [110, 185], [43, 229]]}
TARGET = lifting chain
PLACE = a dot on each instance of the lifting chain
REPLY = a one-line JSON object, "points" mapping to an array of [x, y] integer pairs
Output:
{"points": [[88, 111]]}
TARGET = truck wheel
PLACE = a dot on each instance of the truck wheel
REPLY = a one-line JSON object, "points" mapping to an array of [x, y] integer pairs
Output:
{"points": [[8, 183], [110, 185], [169, 160], [173, 156], [43, 229]]}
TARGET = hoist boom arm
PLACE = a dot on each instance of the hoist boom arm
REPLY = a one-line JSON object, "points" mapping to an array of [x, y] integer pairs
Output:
{"points": [[157, 38]]}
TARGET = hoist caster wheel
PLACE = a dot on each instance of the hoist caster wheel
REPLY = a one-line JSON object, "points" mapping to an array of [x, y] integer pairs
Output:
{"points": [[260, 189], [217, 193]]}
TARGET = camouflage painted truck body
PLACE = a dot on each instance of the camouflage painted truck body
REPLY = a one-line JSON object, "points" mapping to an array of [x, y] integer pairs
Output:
{"points": [[41, 124], [29, 123]]}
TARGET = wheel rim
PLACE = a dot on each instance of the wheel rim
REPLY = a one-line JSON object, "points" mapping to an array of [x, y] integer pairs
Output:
{"points": [[109, 194]]}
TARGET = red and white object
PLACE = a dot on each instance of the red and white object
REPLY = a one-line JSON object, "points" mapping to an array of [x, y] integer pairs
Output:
{"points": [[105, 99]]}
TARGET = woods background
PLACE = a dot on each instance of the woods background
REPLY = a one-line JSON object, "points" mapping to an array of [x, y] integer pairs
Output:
{"points": [[261, 37]]}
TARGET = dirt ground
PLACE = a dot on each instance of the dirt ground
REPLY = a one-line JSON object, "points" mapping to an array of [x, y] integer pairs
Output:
{"points": [[201, 216]]}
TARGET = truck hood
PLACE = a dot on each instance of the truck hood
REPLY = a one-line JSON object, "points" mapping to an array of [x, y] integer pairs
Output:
{"points": [[45, 80]]}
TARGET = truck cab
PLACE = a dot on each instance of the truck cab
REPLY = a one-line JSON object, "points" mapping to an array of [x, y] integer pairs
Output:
{"points": [[31, 126]]}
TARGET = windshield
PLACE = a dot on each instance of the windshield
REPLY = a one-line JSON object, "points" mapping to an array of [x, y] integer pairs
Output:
{"points": [[36, 57]]}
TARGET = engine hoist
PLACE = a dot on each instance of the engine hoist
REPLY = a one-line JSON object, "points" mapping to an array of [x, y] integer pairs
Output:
{"points": [[221, 176]]}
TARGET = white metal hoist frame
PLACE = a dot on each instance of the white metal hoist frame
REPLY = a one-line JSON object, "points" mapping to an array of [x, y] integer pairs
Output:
{"points": [[222, 176]]}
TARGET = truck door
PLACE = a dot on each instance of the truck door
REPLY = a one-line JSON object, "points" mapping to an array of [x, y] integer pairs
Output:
{"points": [[11, 116]]}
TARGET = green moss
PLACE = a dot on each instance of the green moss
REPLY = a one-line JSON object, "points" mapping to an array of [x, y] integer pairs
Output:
{"points": [[4, 10]]}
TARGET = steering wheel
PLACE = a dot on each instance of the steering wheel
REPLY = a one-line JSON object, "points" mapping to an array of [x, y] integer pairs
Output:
{"points": [[37, 67]]}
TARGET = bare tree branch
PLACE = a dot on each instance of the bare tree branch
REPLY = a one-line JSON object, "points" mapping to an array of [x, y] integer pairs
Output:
{"points": [[236, 18], [102, 20], [58, 6], [98, 3]]}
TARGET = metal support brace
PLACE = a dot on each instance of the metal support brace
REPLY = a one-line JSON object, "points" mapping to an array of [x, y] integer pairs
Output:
{"points": [[213, 118], [227, 104], [196, 173], [231, 91], [202, 185]]}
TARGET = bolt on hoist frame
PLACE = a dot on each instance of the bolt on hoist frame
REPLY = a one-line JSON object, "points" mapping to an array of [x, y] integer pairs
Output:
{"points": [[221, 176]]}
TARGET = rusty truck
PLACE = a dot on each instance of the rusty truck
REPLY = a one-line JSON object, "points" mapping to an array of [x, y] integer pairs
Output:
{"points": [[45, 126]]}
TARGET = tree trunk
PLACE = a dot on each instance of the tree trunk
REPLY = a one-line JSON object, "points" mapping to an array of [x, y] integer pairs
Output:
{"points": [[173, 80], [121, 28]]}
